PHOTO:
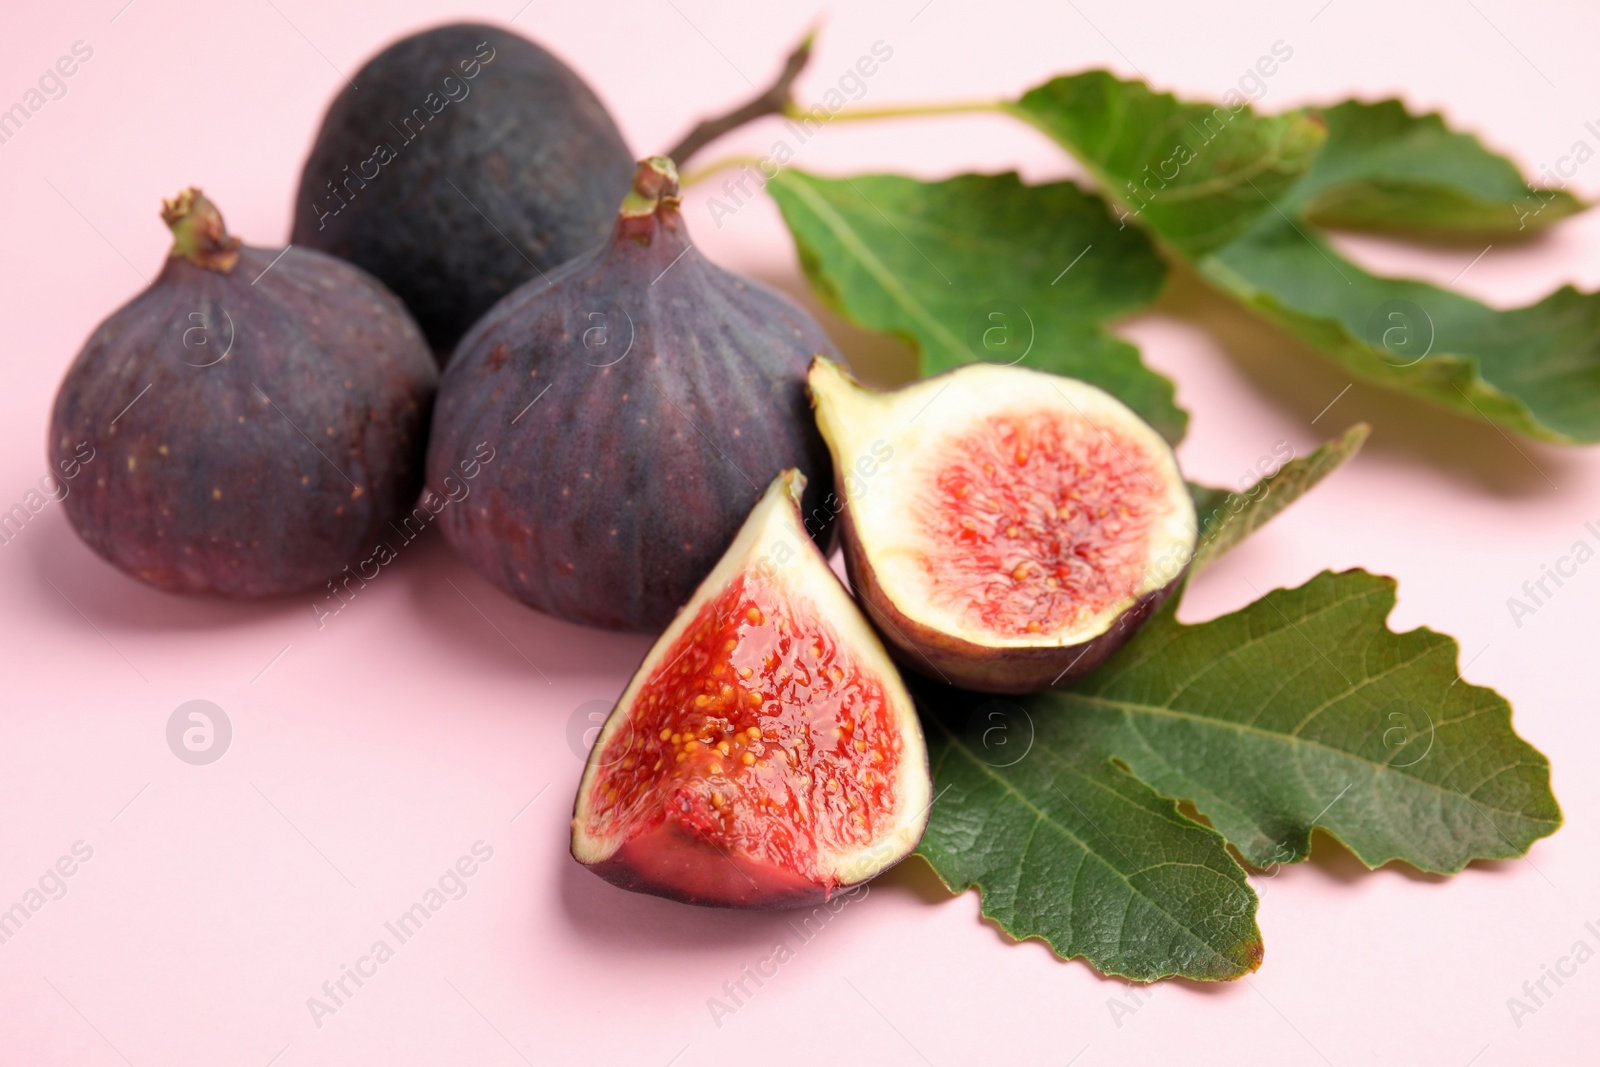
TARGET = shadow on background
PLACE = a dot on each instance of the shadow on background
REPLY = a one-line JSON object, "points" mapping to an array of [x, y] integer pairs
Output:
{"points": [[475, 624], [70, 579], [633, 923], [478, 626]]}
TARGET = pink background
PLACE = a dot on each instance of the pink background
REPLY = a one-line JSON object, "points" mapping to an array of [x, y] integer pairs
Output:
{"points": [[372, 754]]}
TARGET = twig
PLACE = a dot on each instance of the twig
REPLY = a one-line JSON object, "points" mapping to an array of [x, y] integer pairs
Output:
{"points": [[774, 100]]}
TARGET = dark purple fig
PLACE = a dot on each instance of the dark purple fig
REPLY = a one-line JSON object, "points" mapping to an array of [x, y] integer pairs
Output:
{"points": [[462, 162], [254, 419], [640, 400]]}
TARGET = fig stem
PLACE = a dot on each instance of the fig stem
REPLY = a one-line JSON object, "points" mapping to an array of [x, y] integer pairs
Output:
{"points": [[903, 111], [198, 234], [775, 99], [655, 182]]}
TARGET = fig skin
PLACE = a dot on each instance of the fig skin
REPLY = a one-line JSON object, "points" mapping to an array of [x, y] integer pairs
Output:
{"points": [[537, 164], [640, 400], [218, 404], [1008, 671]]}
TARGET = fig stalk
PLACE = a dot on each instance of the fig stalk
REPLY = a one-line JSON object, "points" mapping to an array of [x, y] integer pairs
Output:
{"points": [[198, 234]]}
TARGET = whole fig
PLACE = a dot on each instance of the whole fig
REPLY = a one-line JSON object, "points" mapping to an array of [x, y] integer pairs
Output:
{"points": [[641, 399], [253, 420], [461, 162]]}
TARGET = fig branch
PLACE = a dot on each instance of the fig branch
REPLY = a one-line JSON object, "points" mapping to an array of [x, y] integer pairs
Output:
{"points": [[776, 99]]}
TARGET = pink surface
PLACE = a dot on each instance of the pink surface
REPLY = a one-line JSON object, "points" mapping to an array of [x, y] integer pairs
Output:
{"points": [[369, 756]]}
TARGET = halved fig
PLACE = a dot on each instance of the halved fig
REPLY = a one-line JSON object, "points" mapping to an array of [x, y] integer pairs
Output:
{"points": [[766, 753], [1005, 529]]}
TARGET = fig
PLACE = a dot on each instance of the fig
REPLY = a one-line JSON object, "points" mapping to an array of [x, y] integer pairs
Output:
{"points": [[1005, 529], [460, 162], [766, 753], [257, 416], [640, 400]]}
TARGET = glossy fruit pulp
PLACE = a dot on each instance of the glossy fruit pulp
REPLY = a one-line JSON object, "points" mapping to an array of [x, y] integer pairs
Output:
{"points": [[758, 733], [1036, 523]]}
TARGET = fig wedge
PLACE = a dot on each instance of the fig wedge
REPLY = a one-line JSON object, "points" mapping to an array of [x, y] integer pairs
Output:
{"points": [[766, 754], [1005, 529]]}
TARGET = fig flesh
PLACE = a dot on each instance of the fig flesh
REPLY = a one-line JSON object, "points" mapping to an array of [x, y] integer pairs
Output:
{"points": [[255, 417], [640, 400], [1005, 529], [766, 753], [468, 161]]}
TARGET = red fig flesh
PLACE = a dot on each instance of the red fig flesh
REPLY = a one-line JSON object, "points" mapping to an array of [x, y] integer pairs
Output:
{"points": [[1021, 529], [766, 753]]}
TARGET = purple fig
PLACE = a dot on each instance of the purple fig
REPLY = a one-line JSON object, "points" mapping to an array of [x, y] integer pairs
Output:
{"points": [[254, 418], [639, 401]]}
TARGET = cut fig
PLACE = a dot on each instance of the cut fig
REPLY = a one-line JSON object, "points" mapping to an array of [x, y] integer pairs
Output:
{"points": [[1006, 529], [766, 753]]}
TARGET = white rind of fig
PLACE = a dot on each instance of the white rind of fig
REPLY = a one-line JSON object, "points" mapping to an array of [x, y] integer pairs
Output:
{"points": [[890, 451], [673, 860]]}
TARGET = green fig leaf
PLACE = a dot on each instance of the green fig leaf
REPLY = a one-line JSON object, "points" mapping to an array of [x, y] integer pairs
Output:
{"points": [[984, 267], [1534, 370], [1197, 175], [1302, 710], [1226, 518], [1387, 170], [1066, 847], [1235, 193]]}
